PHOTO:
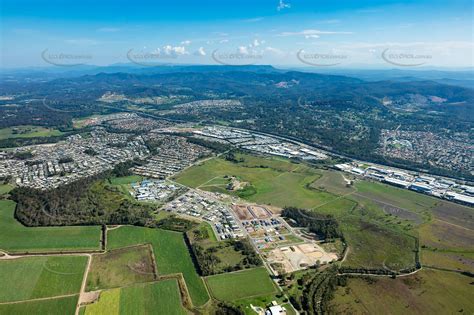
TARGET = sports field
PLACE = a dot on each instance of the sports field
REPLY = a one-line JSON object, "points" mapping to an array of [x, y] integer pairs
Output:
{"points": [[240, 284], [15, 237], [39, 277], [55, 306], [5, 188], [427, 292], [151, 298], [171, 254], [120, 267]]}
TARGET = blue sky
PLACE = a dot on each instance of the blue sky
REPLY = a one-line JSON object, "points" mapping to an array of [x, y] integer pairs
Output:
{"points": [[365, 33]]}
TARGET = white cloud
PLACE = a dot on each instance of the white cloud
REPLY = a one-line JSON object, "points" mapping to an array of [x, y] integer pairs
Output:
{"points": [[311, 36], [186, 42], [223, 41], [200, 52], [282, 5], [174, 50], [243, 50], [275, 51]]}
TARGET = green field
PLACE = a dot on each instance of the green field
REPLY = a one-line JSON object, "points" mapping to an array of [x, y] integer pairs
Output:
{"points": [[151, 298], [39, 277], [56, 306], [5, 188], [171, 254], [15, 237], [279, 183], [120, 267], [427, 292], [125, 180], [28, 132], [241, 284]]}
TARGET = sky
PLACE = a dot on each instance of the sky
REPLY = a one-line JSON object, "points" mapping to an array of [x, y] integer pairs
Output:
{"points": [[352, 34]]}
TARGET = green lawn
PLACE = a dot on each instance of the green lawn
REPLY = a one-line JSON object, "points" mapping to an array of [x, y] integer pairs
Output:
{"points": [[151, 298], [57, 306], [5, 188], [15, 237], [241, 284], [120, 267], [28, 132], [38, 277], [171, 253], [125, 180]]}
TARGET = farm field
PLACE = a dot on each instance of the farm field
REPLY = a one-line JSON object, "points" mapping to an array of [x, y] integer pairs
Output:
{"points": [[240, 284], [171, 254], [38, 277], [149, 298], [427, 292], [17, 238], [56, 306], [120, 267], [28, 132]]}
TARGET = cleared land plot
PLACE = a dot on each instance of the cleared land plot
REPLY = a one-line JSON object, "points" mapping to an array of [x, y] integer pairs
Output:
{"points": [[282, 183], [161, 297], [38, 277], [56, 306], [260, 212], [171, 254], [454, 213], [375, 246], [28, 132], [15, 237], [448, 260], [443, 235], [242, 212], [241, 284], [427, 292], [120, 267], [402, 198], [334, 182], [273, 181]]}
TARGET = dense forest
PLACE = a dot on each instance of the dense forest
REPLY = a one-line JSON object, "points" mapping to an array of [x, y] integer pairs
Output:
{"points": [[86, 201], [324, 226]]}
